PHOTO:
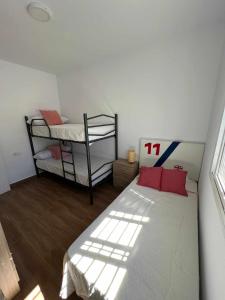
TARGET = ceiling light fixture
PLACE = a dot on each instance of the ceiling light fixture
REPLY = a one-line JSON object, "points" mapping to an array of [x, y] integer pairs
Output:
{"points": [[39, 11]]}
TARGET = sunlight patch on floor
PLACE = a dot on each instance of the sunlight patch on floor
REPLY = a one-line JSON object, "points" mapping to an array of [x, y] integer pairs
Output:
{"points": [[35, 294]]}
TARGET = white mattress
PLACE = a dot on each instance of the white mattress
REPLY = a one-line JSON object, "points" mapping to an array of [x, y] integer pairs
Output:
{"points": [[72, 132], [143, 246], [55, 166]]}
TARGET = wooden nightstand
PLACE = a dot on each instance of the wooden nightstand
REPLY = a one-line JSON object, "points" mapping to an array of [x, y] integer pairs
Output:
{"points": [[123, 173]]}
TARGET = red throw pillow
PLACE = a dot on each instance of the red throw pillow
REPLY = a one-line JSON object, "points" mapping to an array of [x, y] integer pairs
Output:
{"points": [[55, 151], [150, 177], [174, 181], [52, 117]]}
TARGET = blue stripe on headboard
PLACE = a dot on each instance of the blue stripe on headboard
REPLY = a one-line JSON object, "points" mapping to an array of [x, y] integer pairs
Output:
{"points": [[166, 154]]}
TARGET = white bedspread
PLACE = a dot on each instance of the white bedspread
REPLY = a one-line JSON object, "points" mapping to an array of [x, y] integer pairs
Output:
{"points": [[72, 132], [144, 246], [55, 166]]}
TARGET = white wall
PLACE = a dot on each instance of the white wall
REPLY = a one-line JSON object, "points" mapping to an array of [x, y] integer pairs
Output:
{"points": [[211, 229], [164, 91], [22, 92], [4, 182]]}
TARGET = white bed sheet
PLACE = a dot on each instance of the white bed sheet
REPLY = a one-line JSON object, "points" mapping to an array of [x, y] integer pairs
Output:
{"points": [[143, 246], [55, 166], [72, 132]]}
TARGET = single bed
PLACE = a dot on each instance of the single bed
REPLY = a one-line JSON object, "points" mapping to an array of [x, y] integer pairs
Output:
{"points": [[143, 246], [73, 132], [55, 166]]}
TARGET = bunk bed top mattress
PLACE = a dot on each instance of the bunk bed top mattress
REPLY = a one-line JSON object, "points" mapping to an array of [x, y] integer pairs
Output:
{"points": [[55, 166], [143, 246], [72, 132]]}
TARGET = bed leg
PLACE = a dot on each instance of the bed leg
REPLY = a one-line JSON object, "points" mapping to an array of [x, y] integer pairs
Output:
{"points": [[36, 168], [116, 136], [37, 173], [91, 196]]}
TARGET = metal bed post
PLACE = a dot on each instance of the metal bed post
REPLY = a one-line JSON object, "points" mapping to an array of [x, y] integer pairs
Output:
{"points": [[31, 146], [88, 157], [116, 136]]}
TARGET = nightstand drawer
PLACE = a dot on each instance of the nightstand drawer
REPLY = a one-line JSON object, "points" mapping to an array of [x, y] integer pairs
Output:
{"points": [[127, 166], [120, 180], [120, 185], [123, 173]]}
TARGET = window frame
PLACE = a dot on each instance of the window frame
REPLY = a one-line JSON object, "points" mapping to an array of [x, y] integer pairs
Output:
{"points": [[217, 157], [217, 180]]}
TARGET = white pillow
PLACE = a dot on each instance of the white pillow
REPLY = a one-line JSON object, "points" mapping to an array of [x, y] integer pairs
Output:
{"points": [[191, 186], [41, 122], [45, 154], [64, 119], [38, 122]]}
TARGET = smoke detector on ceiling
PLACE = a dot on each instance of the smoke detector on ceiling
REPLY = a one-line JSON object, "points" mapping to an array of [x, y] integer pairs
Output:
{"points": [[39, 11]]}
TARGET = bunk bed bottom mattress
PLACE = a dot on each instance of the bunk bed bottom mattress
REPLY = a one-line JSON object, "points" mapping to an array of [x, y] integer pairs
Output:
{"points": [[55, 166]]}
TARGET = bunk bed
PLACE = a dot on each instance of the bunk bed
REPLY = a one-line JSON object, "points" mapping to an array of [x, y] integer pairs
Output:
{"points": [[83, 169]]}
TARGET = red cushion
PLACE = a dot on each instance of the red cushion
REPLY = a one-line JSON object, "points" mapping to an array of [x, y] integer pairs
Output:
{"points": [[52, 117], [150, 177], [55, 151], [174, 181]]}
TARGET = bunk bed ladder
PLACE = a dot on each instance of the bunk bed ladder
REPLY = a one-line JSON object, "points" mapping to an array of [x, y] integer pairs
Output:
{"points": [[68, 162]]}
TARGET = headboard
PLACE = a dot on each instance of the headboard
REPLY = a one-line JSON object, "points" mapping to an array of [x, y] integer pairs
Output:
{"points": [[172, 154]]}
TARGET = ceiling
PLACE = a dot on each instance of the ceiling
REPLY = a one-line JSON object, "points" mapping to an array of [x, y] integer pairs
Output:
{"points": [[83, 31]]}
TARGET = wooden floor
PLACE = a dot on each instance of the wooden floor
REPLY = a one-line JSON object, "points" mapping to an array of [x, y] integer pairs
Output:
{"points": [[41, 218]]}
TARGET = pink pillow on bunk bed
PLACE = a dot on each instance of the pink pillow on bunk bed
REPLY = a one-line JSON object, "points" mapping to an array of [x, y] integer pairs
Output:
{"points": [[52, 117], [174, 181], [150, 177], [56, 151]]}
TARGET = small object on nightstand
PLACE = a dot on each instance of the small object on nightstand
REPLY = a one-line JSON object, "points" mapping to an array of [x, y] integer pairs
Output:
{"points": [[123, 173], [131, 157]]}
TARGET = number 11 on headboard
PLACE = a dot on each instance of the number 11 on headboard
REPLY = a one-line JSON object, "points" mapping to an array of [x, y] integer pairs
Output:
{"points": [[151, 147]]}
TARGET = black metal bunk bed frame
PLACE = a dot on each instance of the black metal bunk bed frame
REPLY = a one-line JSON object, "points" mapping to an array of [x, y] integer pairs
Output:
{"points": [[98, 137]]}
